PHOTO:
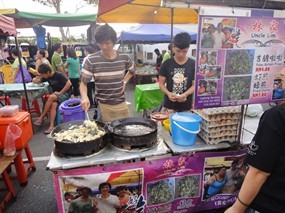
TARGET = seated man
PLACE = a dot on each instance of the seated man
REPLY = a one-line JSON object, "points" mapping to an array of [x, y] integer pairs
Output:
{"points": [[61, 92]]}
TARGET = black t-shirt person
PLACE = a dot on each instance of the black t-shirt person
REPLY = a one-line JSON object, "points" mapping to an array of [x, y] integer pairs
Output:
{"points": [[267, 153], [57, 82], [178, 79]]}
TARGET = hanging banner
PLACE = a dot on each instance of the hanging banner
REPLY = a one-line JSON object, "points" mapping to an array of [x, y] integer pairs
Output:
{"points": [[185, 183], [239, 60]]}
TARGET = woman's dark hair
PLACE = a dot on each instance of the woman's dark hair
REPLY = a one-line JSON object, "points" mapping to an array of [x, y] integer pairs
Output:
{"points": [[104, 184], [44, 69], [71, 53], [182, 40], [42, 52], [15, 52], [105, 33]]}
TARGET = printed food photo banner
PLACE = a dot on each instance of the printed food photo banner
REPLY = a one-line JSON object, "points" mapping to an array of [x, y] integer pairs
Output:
{"points": [[185, 183], [239, 60]]}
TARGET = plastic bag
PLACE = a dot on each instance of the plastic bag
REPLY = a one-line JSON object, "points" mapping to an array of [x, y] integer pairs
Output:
{"points": [[27, 76], [253, 110], [13, 132]]}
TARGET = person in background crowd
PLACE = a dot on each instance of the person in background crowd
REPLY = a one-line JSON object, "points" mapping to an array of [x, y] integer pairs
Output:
{"points": [[61, 92], [178, 74], [15, 65], [106, 202], [73, 66], [41, 59], [231, 176], [263, 187], [108, 67], [167, 55], [56, 61], [219, 36], [124, 196], [158, 59], [207, 40], [216, 183], [84, 203], [90, 86]]}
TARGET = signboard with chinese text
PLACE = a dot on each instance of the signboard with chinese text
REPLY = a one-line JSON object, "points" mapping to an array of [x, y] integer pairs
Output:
{"points": [[171, 184], [239, 60]]}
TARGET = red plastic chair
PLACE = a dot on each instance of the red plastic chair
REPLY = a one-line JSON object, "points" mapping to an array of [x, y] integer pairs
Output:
{"points": [[35, 103], [6, 99]]}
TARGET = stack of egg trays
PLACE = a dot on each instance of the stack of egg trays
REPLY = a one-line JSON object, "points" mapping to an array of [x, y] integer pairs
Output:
{"points": [[219, 124]]}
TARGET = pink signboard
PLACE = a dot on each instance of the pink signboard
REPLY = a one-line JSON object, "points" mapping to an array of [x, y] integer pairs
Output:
{"points": [[173, 184], [239, 60]]}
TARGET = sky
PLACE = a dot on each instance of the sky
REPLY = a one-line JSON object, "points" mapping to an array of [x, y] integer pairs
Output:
{"points": [[67, 5]]}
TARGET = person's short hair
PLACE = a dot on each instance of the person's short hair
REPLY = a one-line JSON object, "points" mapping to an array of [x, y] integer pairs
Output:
{"points": [[56, 46], [42, 52], [169, 46], [121, 188], [105, 33], [87, 189], [89, 49], [156, 51], [104, 184], [15, 52], [44, 68], [182, 40]]}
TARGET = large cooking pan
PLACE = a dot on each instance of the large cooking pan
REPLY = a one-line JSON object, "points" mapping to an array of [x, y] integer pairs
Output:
{"points": [[81, 148], [134, 132]]}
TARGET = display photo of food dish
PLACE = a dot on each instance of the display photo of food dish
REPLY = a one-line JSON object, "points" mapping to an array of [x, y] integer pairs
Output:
{"points": [[278, 89], [161, 191], [236, 88], [187, 186], [239, 62]]}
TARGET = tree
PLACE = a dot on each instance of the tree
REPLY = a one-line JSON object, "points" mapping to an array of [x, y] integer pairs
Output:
{"points": [[57, 3]]}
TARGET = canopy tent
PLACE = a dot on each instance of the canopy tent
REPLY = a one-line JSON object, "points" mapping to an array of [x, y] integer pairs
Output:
{"points": [[31, 19], [143, 12], [7, 26], [151, 33]]}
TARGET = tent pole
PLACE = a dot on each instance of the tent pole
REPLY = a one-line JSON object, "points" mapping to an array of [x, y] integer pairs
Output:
{"points": [[172, 15], [22, 73]]}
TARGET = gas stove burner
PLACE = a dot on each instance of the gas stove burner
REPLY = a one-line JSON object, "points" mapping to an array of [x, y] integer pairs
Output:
{"points": [[58, 153], [137, 149]]}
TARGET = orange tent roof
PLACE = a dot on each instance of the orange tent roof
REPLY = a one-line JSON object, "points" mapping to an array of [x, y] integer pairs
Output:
{"points": [[143, 12]]}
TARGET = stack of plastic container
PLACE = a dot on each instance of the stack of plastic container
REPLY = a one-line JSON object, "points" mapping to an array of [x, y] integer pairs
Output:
{"points": [[220, 124]]}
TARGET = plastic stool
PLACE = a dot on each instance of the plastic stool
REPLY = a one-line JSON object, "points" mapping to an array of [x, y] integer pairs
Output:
{"points": [[36, 107], [6, 99]]}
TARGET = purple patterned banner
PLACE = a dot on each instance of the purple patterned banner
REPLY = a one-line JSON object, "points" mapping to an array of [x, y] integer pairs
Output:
{"points": [[185, 183], [239, 60]]}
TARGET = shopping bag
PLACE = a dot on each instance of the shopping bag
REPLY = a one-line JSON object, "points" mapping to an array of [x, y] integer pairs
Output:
{"points": [[27, 76]]}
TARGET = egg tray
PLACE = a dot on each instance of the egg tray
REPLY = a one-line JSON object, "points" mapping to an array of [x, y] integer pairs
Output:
{"points": [[219, 128], [214, 141], [219, 134], [219, 116], [223, 122], [219, 110]]}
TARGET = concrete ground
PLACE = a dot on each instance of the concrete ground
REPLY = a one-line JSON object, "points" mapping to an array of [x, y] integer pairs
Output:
{"points": [[39, 195]]}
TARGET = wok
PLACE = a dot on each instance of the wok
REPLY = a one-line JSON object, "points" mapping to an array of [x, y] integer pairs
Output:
{"points": [[133, 132], [70, 148]]}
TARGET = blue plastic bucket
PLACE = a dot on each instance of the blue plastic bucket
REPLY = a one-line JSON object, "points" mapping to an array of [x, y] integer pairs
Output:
{"points": [[71, 110], [184, 128]]}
